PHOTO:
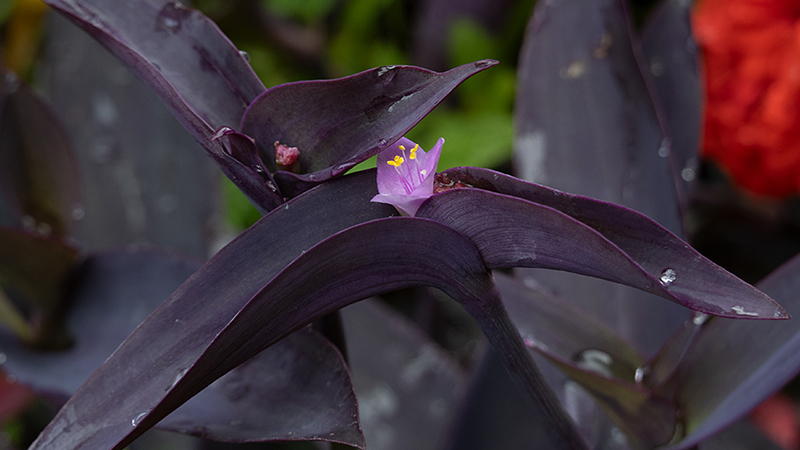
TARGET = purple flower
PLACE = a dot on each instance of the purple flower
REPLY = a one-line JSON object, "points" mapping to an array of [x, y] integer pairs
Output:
{"points": [[405, 175]]}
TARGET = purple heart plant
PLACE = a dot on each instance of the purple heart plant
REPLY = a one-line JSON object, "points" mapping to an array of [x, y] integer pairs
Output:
{"points": [[236, 349]]}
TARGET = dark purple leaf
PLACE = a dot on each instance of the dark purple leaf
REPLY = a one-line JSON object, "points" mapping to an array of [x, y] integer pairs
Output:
{"points": [[240, 270], [177, 51], [670, 55], [381, 255], [263, 400], [145, 179], [245, 169], [586, 124], [115, 291], [733, 366], [406, 384], [595, 357], [597, 239], [339, 123], [195, 70], [38, 169]]}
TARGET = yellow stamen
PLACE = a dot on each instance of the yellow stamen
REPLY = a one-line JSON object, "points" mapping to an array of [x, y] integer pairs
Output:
{"points": [[402, 147], [398, 160], [413, 154]]}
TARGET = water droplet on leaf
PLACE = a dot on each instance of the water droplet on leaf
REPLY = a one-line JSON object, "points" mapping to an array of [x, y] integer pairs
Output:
{"points": [[136, 420], [667, 277], [78, 212], [245, 55], [699, 318]]}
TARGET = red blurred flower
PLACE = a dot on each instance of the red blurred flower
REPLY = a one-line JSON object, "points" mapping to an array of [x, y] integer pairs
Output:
{"points": [[751, 51]]}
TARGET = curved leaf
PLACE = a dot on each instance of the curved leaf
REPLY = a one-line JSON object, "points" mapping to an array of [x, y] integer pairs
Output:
{"points": [[733, 366], [381, 255], [177, 51], [193, 68], [236, 274], [579, 70], [262, 400], [339, 123], [595, 357], [542, 227]]}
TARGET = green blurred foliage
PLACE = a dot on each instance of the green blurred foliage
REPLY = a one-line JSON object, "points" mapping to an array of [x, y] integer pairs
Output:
{"points": [[356, 35]]}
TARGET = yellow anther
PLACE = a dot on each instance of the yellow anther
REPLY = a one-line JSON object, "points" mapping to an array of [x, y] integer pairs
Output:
{"points": [[397, 161], [413, 154], [402, 147]]}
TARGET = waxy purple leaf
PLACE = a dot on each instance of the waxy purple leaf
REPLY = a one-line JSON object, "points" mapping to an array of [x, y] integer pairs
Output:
{"points": [[254, 258], [594, 356], [733, 366], [524, 225], [336, 124], [588, 124], [195, 70]]}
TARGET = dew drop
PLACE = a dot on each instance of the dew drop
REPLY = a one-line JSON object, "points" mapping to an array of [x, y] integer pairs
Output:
{"points": [[640, 373], [657, 67], [12, 82], [136, 420], [383, 70], [382, 143], [687, 174], [78, 212], [667, 277], [178, 378], [699, 318], [483, 64], [596, 361], [245, 55], [740, 311]]}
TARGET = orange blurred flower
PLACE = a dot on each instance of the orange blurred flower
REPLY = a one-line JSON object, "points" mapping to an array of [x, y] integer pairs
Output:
{"points": [[751, 53]]}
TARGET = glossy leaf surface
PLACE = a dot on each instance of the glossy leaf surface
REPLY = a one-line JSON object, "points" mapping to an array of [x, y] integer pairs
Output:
{"points": [[258, 401], [337, 124], [180, 53], [579, 70], [235, 274], [733, 366], [592, 355], [592, 238], [285, 304]]}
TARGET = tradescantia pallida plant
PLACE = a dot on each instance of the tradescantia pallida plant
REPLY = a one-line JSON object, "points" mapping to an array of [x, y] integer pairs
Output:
{"points": [[329, 238]]}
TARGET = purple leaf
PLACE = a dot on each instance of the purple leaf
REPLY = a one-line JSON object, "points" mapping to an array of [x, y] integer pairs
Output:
{"points": [[177, 51], [405, 383], [195, 70], [382, 255], [670, 56], [243, 166], [593, 238], [405, 180], [733, 366], [339, 123], [115, 291], [38, 169], [595, 357], [235, 274], [579, 71], [262, 400]]}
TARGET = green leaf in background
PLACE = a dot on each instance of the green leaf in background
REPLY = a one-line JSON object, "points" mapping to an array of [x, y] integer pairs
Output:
{"points": [[301, 10]]}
